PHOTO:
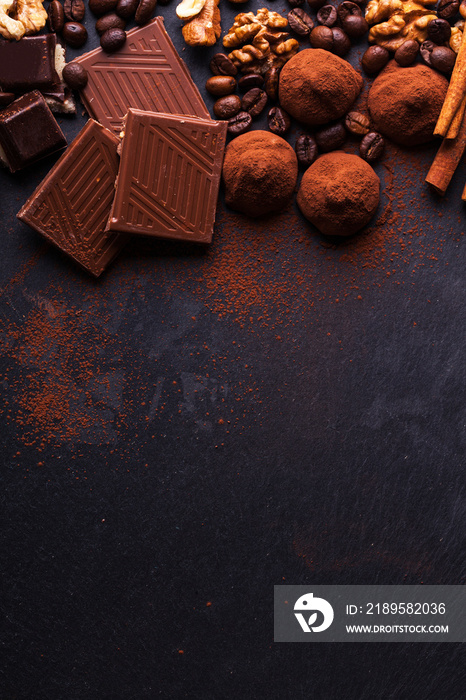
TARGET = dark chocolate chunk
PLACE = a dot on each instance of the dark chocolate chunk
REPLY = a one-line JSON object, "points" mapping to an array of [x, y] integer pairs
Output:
{"points": [[28, 64], [29, 131]]}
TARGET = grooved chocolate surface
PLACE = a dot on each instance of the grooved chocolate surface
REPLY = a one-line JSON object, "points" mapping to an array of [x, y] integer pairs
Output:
{"points": [[169, 176], [71, 206], [146, 73]]}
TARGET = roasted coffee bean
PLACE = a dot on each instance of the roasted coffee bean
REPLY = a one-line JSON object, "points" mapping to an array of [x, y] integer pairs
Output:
{"points": [[372, 146], [219, 85], [254, 101], [250, 80], [74, 10], [6, 98], [347, 9], [355, 26], [220, 64], [406, 54], [374, 59], [306, 150], [446, 9], [295, 3], [321, 37], [227, 107], [110, 21], [330, 137], [271, 80], [327, 16], [239, 123], [113, 39], [126, 8], [145, 11], [74, 34], [439, 31], [55, 17], [426, 49], [101, 7], [341, 42], [357, 123], [279, 121], [75, 76], [443, 59], [300, 22], [316, 4]]}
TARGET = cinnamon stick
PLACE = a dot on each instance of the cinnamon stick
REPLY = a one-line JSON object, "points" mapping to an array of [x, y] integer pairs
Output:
{"points": [[446, 161], [455, 92], [455, 125]]}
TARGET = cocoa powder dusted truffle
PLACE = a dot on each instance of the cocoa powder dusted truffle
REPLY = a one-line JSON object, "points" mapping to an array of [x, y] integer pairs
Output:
{"points": [[339, 193], [259, 171], [317, 87], [405, 102]]}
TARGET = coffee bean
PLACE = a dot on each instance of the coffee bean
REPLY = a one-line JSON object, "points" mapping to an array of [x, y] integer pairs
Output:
{"points": [[374, 59], [220, 85], [6, 98], [271, 80], [347, 9], [327, 16], [220, 64], [113, 39], [126, 8], [279, 121], [110, 21], [254, 101], [446, 9], [321, 37], [426, 49], [306, 150], [372, 146], [355, 26], [145, 11], [74, 10], [443, 59], [56, 17], [316, 4], [300, 22], [406, 54], [341, 42], [357, 123], [250, 80], [75, 76], [74, 34], [227, 107], [439, 31], [101, 7], [239, 124], [331, 137]]}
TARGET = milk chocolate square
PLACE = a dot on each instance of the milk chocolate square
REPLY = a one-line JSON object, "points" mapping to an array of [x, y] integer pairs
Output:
{"points": [[29, 131], [169, 176], [70, 207], [146, 73]]}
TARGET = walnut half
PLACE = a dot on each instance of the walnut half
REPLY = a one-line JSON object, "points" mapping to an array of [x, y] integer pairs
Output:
{"points": [[21, 17], [396, 21], [204, 29]]}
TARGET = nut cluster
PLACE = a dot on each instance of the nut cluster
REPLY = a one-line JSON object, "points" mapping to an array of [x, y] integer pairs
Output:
{"points": [[259, 41]]}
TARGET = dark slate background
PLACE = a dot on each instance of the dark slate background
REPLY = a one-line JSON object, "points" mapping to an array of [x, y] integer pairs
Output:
{"points": [[171, 452]]}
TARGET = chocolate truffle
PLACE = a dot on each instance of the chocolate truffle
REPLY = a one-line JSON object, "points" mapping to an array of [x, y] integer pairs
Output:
{"points": [[316, 86], [405, 102], [339, 193], [259, 171]]}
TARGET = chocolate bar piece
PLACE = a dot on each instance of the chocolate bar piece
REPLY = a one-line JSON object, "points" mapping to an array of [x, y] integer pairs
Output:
{"points": [[29, 131], [146, 74], [28, 64], [71, 206], [169, 176]]}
